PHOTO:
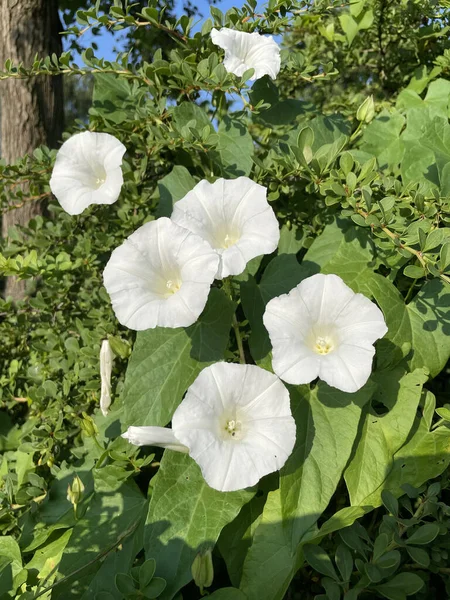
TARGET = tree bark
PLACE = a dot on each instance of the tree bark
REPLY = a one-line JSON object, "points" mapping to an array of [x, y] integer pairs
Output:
{"points": [[31, 109]]}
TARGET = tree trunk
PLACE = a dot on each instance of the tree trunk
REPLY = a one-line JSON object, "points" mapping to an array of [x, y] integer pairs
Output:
{"points": [[31, 109]]}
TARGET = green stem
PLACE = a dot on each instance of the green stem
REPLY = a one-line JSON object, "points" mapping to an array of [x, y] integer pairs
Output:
{"points": [[237, 333], [228, 288]]}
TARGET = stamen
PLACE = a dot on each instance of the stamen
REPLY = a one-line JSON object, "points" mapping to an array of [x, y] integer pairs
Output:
{"points": [[173, 286], [323, 345], [232, 427]]}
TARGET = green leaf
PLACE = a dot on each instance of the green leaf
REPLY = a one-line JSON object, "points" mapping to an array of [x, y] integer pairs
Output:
{"points": [[280, 112], [382, 436], [165, 362], [419, 556], [429, 314], [390, 502], [146, 572], [327, 423], [344, 562], [291, 240], [349, 26], [125, 584], [402, 585], [172, 188], [184, 516], [327, 129], [270, 563], [342, 249], [424, 534], [319, 560], [414, 272], [227, 594], [188, 112], [9, 550], [236, 537], [424, 456], [47, 557], [235, 148], [112, 516], [113, 98], [155, 588]]}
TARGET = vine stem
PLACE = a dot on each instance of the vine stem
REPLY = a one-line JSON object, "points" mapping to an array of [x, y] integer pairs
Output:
{"points": [[228, 287], [237, 333]]}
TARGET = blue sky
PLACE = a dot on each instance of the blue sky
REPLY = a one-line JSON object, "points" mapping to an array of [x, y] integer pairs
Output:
{"points": [[106, 41]]}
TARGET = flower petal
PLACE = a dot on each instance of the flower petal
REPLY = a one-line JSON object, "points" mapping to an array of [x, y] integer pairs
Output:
{"points": [[153, 436], [245, 51], [288, 323], [87, 171], [347, 369], [260, 404], [160, 276], [322, 328], [234, 217]]}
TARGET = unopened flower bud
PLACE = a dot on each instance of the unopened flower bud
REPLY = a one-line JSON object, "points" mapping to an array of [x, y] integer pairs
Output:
{"points": [[202, 569], [75, 491], [106, 361], [88, 425], [366, 111]]}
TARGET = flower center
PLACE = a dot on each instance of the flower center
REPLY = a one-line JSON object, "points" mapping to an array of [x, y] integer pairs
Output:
{"points": [[323, 345], [229, 240], [99, 177], [225, 236], [173, 286], [232, 427]]}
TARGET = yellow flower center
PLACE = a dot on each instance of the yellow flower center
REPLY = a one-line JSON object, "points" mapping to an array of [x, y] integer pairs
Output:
{"points": [[323, 345], [173, 286], [232, 427]]}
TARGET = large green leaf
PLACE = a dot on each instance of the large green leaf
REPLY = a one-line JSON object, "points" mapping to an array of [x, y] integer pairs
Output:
{"points": [[327, 424], [281, 112], [270, 563], [381, 139], [189, 113], [342, 249], [235, 148], [429, 315], [114, 98], [427, 149], [381, 436], [165, 362], [109, 519], [425, 455], [10, 563], [172, 188], [185, 516], [236, 537]]}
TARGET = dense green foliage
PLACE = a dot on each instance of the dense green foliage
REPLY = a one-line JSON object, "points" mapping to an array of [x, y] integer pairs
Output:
{"points": [[364, 194]]}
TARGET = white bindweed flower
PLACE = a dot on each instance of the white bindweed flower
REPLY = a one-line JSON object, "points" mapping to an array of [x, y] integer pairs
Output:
{"points": [[160, 276], [87, 171], [323, 329], [245, 51], [234, 217], [236, 423], [106, 361]]}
